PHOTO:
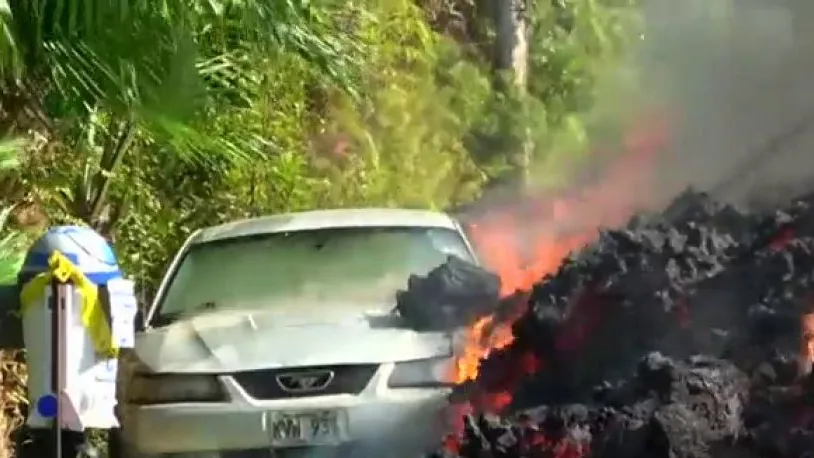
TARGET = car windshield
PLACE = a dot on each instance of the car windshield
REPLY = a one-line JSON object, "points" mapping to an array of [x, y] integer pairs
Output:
{"points": [[350, 269]]}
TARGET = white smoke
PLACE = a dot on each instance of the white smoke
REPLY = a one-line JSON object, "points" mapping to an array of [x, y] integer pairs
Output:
{"points": [[737, 75]]}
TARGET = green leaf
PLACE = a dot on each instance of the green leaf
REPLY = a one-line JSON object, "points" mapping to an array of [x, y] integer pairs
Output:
{"points": [[9, 154]]}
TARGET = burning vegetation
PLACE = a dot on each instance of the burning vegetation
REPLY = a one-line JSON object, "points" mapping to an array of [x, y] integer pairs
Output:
{"points": [[685, 333]]}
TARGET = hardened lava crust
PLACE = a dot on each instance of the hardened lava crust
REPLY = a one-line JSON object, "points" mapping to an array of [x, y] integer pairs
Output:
{"points": [[685, 334]]}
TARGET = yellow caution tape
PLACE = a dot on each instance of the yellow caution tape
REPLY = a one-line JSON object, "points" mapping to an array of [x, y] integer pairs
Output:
{"points": [[93, 315]]}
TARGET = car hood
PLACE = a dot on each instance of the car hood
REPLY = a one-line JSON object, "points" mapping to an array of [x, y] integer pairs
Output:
{"points": [[231, 341]]}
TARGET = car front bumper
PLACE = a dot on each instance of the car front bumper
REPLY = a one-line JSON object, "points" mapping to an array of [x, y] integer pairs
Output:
{"points": [[379, 416]]}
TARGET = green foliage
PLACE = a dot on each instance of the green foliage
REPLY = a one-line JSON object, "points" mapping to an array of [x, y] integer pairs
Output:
{"points": [[405, 145], [162, 117], [401, 144], [117, 74], [581, 49], [12, 242], [577, 70]]}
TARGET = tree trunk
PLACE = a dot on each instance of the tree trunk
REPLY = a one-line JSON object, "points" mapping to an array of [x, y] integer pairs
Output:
{"points": [[511, 57], [511, 44]]}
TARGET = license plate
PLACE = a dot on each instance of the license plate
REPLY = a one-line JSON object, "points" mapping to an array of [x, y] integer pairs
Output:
{"points": [[311, 427]]}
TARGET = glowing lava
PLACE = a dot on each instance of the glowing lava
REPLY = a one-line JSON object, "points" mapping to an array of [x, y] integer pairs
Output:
{"points": [[480, 341], [806, 343], [525, 242]]}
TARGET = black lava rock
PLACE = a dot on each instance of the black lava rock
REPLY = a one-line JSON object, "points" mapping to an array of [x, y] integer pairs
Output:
{"points": [[678, 335], [451, 295]]}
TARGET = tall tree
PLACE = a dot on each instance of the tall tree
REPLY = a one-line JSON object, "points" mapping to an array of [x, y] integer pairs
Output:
{"points": [[511, 61]]}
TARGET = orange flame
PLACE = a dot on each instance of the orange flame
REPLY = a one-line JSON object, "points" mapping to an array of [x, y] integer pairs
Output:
{"points": [[522, 249], [478, 344]]}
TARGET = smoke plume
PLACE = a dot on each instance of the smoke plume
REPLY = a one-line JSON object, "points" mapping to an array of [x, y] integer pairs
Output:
{"points": [[735, 74]]}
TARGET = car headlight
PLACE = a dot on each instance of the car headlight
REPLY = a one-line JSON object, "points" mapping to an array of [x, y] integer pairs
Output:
{"points": [[174, 388], [423, 373]]}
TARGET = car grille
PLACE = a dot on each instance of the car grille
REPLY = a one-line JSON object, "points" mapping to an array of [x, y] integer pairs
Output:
{"points": [[266, 384]]}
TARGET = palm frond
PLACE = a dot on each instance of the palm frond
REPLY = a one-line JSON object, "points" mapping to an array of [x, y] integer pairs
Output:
{"points": [[297, 26], [10, 64], [159, 61]]}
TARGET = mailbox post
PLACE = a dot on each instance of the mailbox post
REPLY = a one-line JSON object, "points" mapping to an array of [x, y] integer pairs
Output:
{"points": [[76, 312]]}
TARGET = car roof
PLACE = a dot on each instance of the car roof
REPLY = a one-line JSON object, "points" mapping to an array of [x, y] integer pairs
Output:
{"points": [[325, 219]]}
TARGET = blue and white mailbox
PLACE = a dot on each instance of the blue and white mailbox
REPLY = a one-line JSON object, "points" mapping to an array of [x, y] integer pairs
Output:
{"points": [[77, 311]]}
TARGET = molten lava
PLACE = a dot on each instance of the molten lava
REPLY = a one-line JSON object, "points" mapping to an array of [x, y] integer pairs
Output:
{"points": [[527, 241], [806, 343], [480, 341]]}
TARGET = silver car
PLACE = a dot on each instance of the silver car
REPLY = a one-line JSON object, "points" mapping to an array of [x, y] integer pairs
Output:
{"points": [[276, 336]]}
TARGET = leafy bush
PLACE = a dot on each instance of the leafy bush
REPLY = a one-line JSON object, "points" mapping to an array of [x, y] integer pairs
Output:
{"points": [[12, 242]]}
